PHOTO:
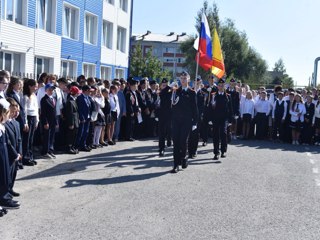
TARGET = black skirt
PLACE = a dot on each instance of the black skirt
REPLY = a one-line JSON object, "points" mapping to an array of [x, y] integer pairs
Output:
{"points": [[246, 118], [296, 125], [114, 116]]}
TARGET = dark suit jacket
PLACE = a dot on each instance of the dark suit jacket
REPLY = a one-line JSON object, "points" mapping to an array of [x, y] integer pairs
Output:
{"points": [[131, 102], [48, 111], [84, 107], [222, 111], [14, 142], [21, 118], [71, 112]]}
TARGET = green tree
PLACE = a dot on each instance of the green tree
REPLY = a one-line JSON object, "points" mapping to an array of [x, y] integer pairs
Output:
{"points": [[280, 75], [241, 60], [146, 66]]}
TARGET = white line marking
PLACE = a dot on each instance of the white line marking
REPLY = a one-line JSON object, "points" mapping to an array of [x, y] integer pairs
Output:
{"points": [[312, 161], [315, 170]]}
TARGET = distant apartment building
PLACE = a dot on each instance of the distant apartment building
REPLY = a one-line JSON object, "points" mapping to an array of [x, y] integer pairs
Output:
{"points": [[164, 46], [65, 37]]}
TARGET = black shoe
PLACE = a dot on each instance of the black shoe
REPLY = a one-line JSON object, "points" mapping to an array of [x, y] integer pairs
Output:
{"points": [[75, 150], [223, 155], [9, 204], [28, 163], [34, 162], [93, 146], [85, 149], [169, 143], [105, 144], [20, 164], [185, 163], [216, 157], [71, 151], [161, 153], [194, 156], [111, 143], [175, 170], [46, 156], [130, 139], [204, 144], [52, 155], [13, 193]]}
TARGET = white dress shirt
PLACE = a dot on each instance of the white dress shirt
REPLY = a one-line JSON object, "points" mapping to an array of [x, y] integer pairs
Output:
{"points": [[299, 108], [114, 104], [247, 107], [262, 106]]}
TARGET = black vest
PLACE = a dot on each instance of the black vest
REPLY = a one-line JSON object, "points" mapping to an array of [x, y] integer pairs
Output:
{"points": [[279, 110]]}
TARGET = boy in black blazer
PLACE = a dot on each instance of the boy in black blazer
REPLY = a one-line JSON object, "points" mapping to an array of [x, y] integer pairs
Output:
{"points": [[14, 143], [48, 121]]}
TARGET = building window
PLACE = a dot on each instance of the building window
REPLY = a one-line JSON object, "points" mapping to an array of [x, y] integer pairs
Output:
{"points": [[124, 5], [10, 62], [14, 10], [46, 15], [68, 68], [169, 50], [121, 41], [120, 73], [110, 2], [105, 73], [71, 22], [107, 31], [41, 65], [89, 70], [91, 29]]}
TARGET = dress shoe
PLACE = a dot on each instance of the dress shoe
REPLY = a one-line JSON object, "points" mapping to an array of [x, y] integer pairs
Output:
{"points": [[13, 193], [216, 157], [20, 164], [71, 151], [223, 155], [93, 146], [52, 155], [185, 163], [204, 144], [169, 143], [130, 140], [104, 144], [75, 149], [161, 153], [85, 149], [9, 204], [28, 163], [111, 143], [175, 170], [34, 162]]}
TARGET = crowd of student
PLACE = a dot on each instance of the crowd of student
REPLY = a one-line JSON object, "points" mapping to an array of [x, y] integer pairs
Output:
{"points": [[86, 114]]}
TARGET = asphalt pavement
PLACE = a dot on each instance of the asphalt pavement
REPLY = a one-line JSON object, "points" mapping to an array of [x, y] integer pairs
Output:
{"points": [[261, 190]]}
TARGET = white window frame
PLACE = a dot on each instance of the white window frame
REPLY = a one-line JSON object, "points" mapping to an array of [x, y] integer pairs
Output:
{"points": [[76, 22], [111, 2], [122, 47], [24, 9], [75, 68], [117, 75], [89, 65], [12, 64], [107, 41], [95, 31], [42, 65], [53, 12], [123, 5], [103, 74]]}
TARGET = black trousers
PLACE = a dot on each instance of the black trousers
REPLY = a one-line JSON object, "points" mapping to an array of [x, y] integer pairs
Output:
{"points": [[278, 128], [180, 133], [13, 173], [307, 132], [122, 132], [28, 137], [193, 141], [48, 139], [130, 123], [261, 126], [164, 131], [71, 137], [220, 136]]}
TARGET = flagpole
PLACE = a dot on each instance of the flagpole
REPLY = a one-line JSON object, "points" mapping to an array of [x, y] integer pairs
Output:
{"points": [[198, 55]]}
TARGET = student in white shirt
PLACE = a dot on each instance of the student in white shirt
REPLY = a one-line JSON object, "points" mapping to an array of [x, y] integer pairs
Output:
{"points": [[262, 107], [297, 118], [279, 113], [247, 114], [115, 111], [316, 122]]}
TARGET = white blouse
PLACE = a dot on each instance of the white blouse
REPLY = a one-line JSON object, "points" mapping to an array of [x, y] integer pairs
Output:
{"points": [[300, 109], [31, 106], [247, 107]]}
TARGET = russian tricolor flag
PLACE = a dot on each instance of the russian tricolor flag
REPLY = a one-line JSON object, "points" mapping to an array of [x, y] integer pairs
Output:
{"points": [[204, 56]]}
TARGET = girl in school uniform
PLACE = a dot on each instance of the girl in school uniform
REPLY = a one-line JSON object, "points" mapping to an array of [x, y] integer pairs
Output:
{"points": [[105, 134], [100, 121], [247, 114], [297, 112], [316, 123], [115, 111]]}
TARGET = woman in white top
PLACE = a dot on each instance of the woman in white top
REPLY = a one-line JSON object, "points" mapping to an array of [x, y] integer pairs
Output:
{"points": [[316, 122], [100, 119], [297, 112], [247, 114], [32, 119], [115, 111]]}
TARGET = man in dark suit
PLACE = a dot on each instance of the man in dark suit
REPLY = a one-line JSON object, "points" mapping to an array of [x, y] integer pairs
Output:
{"points": [[84, 110], [132, 107], [72, 119], [14, 143], [164, 114], [184, 120], [235, 100], [221, 115], [48, 121]]}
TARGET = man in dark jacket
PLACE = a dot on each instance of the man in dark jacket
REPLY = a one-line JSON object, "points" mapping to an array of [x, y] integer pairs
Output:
{"points": [[72, 118]]}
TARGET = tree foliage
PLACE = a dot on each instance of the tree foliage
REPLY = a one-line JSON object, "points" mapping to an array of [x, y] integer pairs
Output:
{"points": [[146, 66], [241, 60], [281, 78]]}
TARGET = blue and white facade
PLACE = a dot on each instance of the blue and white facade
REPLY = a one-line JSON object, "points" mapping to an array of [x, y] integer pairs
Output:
{"points": [[66, 37]]}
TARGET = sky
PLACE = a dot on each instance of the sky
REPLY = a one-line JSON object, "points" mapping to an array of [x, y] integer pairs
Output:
{"points": [[275, 28]]}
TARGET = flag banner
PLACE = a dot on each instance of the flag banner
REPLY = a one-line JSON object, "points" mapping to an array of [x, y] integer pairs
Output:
{"points": [[218, 68], [204, 54]]}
